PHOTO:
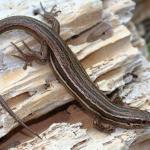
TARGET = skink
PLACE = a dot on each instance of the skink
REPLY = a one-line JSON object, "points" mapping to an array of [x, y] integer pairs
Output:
{"points": [[73, 75]]}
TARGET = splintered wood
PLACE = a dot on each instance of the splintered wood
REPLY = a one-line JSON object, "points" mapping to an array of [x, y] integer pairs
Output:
{"points": [[110, 60]]}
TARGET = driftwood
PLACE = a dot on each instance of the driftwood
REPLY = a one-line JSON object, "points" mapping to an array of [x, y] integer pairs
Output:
{"points": [[111, 62]]}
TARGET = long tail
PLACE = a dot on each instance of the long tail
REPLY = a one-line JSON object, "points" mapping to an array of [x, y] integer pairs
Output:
{"points": [[11, 113]]}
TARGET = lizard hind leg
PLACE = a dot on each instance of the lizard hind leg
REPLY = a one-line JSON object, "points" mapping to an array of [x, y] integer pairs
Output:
{"points": [[23, 56], [50, 17], [41, 56], [53, 12], [26, 57]]}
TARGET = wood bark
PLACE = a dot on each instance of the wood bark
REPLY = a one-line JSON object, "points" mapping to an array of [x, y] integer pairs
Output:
{"points": [[111, 62]]}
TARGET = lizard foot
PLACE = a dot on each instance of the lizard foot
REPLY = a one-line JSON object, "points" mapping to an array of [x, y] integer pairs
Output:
{"points": [[28, 57], [50, 17], [102, 126], [52, 13]]}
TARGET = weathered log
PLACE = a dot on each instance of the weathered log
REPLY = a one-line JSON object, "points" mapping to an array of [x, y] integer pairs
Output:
{"points": [[109, 61]]}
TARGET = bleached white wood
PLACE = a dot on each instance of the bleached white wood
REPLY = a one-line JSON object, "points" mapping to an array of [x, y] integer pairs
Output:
{"points": [[108, 62]]}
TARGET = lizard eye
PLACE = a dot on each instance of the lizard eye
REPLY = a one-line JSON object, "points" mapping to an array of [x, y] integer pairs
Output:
{"points": [[146, 122]]}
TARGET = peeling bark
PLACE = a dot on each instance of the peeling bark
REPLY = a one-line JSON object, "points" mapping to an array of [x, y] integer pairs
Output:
{"points": [[111, 62]]}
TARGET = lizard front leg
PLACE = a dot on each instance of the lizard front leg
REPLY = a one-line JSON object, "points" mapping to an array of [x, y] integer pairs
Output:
{"points": [[99, 124]]}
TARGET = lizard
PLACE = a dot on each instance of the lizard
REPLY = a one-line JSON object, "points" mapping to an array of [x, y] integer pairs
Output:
{"points": [[73, 75]]}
